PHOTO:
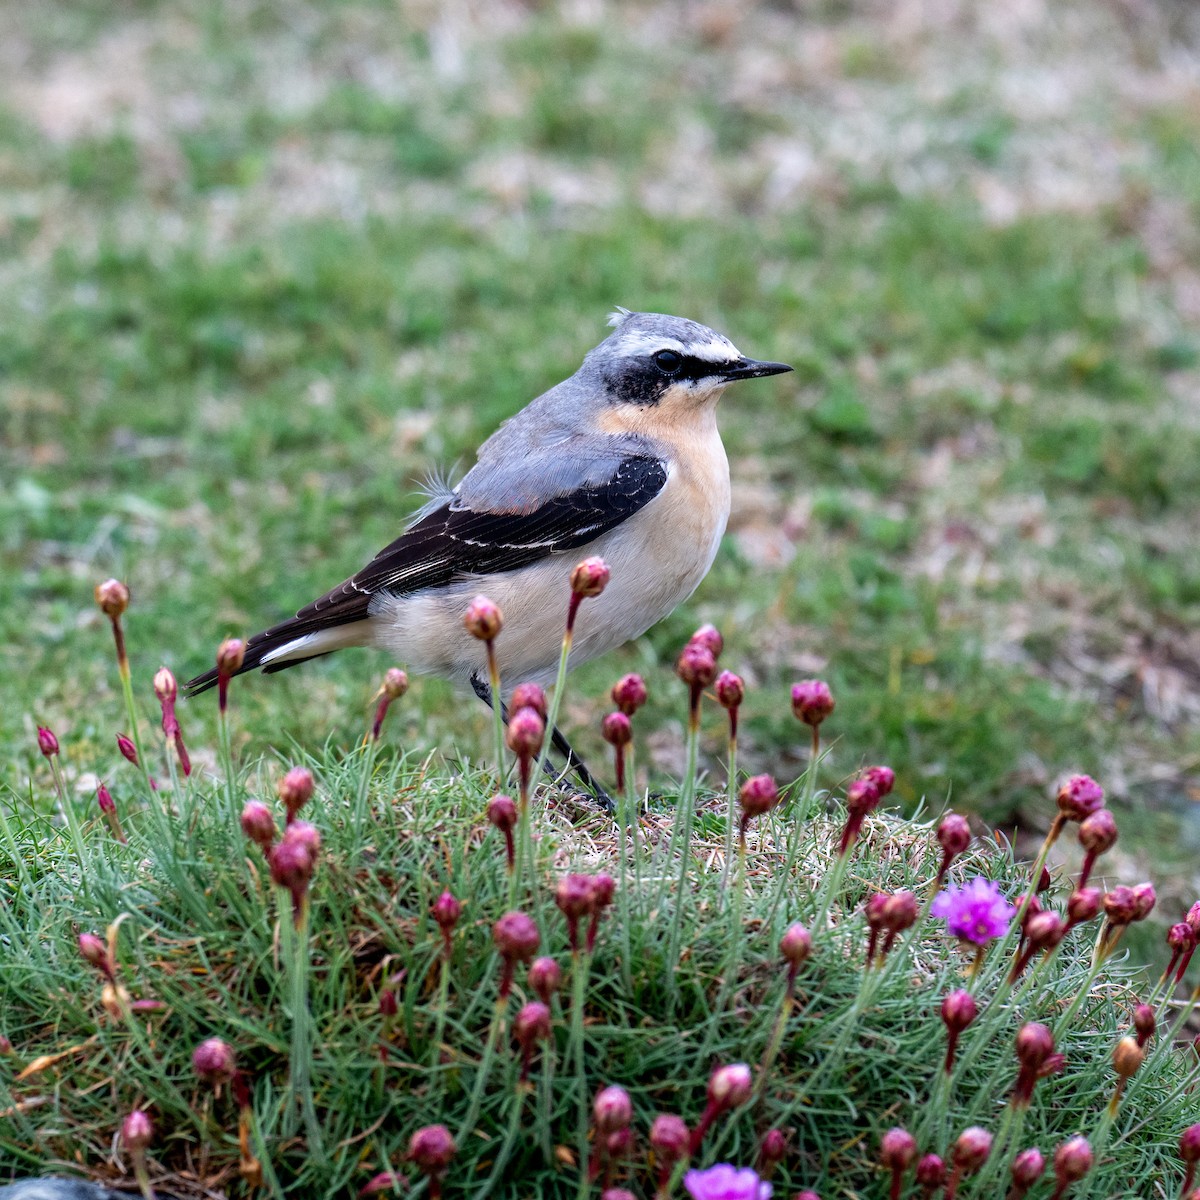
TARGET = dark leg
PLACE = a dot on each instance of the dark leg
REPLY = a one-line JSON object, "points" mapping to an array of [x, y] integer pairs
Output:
{"points": [[574, 763]]}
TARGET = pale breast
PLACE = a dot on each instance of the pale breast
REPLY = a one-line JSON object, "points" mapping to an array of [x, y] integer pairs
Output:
{"points": [[658, 558]]}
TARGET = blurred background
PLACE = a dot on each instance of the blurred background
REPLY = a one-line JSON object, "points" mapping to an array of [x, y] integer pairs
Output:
{"points": [[265, 264]]}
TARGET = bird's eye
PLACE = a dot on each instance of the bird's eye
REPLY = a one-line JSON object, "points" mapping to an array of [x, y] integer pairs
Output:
{"points": [[668, 361]]}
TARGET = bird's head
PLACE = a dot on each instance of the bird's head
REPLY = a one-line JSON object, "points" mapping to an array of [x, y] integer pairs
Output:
{"points": [[670, 364]]}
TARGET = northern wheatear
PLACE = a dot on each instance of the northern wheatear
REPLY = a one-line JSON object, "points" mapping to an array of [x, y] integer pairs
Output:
{"points": [[622, 460]]}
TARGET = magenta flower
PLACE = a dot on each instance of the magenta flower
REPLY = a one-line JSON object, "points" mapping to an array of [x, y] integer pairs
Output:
{"points": [[975, 912], [724, 1182]]}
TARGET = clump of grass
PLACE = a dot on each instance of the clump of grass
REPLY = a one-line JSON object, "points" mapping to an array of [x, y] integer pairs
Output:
{"points": [[803, 1016]]}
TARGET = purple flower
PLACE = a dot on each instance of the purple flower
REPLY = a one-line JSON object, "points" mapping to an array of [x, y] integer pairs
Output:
{"points": [[724, 1182], [975, 912]]}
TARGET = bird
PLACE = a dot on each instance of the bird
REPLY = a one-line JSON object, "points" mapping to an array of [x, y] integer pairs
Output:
{"points": [[623, 460]]}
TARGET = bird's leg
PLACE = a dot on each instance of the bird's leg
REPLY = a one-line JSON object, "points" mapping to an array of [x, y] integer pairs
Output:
{"points": [[573, 762]]}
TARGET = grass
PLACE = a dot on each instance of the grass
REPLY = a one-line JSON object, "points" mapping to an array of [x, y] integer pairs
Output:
{"points": [[198, 929], [266, 266]]}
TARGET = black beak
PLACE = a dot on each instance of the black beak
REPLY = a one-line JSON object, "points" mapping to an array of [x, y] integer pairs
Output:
{"points": [[750, 368]]}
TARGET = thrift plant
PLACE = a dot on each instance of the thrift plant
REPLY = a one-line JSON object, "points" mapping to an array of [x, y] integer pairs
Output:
{"points": [[370, 972]]}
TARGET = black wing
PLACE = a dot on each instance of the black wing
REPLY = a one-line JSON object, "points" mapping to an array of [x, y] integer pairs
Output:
{"points": [[454, 542]]}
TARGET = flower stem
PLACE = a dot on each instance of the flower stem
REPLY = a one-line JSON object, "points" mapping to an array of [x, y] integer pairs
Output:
{"points": [[294, 935], [575, 1053], [555, 702], [497, 710], [76, 831], [681, 834], [485, 1068], [730, 804]]}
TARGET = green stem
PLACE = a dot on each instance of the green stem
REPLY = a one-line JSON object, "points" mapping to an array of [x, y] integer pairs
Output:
{"points": [[546, 1084], [775, 1041], [623, 889], [830, 886], [131, 712], [733, 962], [681, 832], [485, 1069], [798, 819], [633, 807], [575, 1053], [439, 1023], [227, 769], [730, 809], [510, 1140], [76, 831], [294, 934], [560, 681], [497, 711], [370, 749]]}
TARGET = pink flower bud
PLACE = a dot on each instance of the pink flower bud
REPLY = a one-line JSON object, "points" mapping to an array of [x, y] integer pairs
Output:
{"points": [[1079, 797], [617, 1193], [1145, 1023], [258, 824], [1098, 831], [526, 732], [95, 951], [291, 866], [730, 1086], [574, 896], [127, 748], [758, 796], [389, 1006], [1193, 918], [1180, 936], [6, 1046], [296, 789], [616, 729], [137, 1131], [629, 694], [529, 695], [1083, 905], [483, 619], [230, 656], [113, 598], [953, 835], [862, 797], [516, 937], [1144, 900], [696, 666], [165, 687], [1044, 931], [545, 977], [772, 1150], [446, 910], [47, 742], [213, 1061], [502, 812], [897, 1148], [590, 577], [931, 1172], [385, 1181], [959, 1010], [669, 1138], [795, 945], [1120, 905], [1072, 1160], [1035, 1044], [900, 912], [532, 1024], [395, 683], [604, 888], [730, 689], [105, 800], [812, 701], [612, 1109], [1189, 1144], [884, 779], [1127, 1057], [971, 1150], [303, 834], [1027, 1168], [710, 638], [432, 1148]]}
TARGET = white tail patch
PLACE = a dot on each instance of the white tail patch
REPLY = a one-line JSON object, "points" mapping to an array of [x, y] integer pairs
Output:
{"points": [[356, 633]]}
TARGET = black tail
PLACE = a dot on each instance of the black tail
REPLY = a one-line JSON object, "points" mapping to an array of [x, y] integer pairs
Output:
{"points": [[257, 648]]}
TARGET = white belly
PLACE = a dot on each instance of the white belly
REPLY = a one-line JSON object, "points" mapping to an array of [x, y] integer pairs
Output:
{"points": [[657, 558]]}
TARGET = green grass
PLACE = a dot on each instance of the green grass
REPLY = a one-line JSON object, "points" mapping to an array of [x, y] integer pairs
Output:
{"points": [[199, 932]]}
